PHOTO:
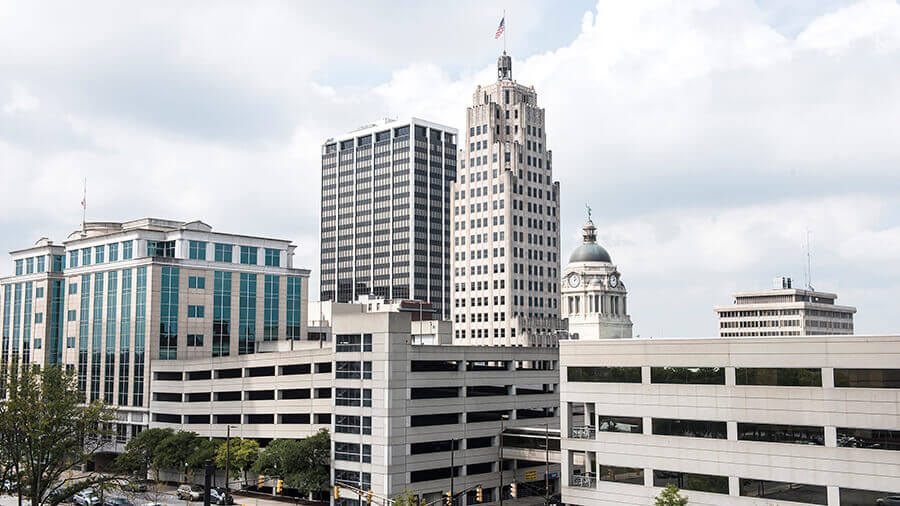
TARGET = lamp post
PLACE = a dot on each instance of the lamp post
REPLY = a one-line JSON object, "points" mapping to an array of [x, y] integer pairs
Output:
{"points": [[500, 488], [227, 457]]}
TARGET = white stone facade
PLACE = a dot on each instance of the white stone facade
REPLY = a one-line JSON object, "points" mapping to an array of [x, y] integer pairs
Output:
{"points": [[506, 221], [818, 415]]}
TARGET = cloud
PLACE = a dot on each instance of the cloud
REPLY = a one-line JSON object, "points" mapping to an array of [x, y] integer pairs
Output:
{"points": [[708, 136]]}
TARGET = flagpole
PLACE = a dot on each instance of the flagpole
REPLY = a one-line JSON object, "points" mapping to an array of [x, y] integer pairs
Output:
{"points": [[84, 206], [505, 26]]}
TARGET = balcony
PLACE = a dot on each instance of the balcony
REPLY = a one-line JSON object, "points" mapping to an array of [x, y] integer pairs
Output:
{"points": [[583, 432], [583, 480]]}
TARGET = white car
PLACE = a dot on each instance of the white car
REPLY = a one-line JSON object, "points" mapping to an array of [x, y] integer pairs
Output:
{"points": [[86, 497]]}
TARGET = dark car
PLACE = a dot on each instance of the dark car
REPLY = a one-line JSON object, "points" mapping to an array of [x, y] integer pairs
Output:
{"points": [[135, 486], [893, 500]]}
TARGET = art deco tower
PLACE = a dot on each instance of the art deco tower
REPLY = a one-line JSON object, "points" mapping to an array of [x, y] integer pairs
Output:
{"points": [[506, 221]]}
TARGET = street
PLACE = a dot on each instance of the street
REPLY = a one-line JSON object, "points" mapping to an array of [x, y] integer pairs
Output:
{"points": [[165, 495]]}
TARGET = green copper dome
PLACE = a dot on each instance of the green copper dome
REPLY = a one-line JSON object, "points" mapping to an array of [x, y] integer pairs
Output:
{"points": [[590, 251]]}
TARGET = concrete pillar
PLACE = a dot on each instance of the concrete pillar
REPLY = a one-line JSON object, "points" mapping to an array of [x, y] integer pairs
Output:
{"points": [[834, 496], [648, 425], [830, 437], [828, 377], [645, 375], [648, 477], [731, 429], [734, 485], [730, 376]]}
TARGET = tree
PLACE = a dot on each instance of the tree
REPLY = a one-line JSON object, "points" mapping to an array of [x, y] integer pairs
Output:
{"points": [[49, 430], [206, 450], [303, 464], [175, 451], [407, 498], [243, 453], [141, 452], [670, 497]]}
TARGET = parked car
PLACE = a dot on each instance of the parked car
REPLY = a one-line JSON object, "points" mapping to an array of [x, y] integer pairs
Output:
{"points": [[117, 501], [217, 496], [86, 497], [135, 485], [188, 492], [893, 500]]}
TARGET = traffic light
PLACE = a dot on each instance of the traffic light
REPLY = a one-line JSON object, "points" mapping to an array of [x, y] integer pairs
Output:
{"points": [[279, 486], [512, 490], [448, 499], [369, 497], [260, 481], [337, 492], [479, 494]]}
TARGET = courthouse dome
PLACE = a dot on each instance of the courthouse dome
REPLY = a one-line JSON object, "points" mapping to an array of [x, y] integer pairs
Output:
{"points": [[590, 251]]}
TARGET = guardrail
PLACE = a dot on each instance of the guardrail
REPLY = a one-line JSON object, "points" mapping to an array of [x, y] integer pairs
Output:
{"points": [[583, 432]]}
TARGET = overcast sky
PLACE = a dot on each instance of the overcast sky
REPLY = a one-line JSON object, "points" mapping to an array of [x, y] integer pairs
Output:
{"points": [[708, 136]]}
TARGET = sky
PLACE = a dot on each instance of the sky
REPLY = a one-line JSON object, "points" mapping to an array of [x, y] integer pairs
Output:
{"points": [[708, 136]]}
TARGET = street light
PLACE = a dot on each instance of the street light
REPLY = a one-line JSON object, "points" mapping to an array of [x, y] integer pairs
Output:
{"points": [[227, 457], [502, 418]]}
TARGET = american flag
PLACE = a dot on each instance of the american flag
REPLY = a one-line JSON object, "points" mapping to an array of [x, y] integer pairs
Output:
{"points": [[500, 28]]}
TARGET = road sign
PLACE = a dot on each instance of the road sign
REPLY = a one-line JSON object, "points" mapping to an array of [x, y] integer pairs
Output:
{"points": [[530, 475], [554, 475]]}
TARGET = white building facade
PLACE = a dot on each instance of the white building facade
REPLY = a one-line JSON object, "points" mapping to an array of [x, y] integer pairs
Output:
{"points": [[731, 421], [784, 311], [506, 221], [594, 298]]}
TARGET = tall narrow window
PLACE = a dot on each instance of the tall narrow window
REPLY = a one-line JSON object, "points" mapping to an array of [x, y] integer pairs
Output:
{"points": [[126, 250], [270, 314], [247, 317], [83, 333], [197, 250], [140, 326], [168, 314], [221, 337], [124, 337], [273, 257], [97, 337], [248, 255], [109, 370], [223, 253], [292, 308]]}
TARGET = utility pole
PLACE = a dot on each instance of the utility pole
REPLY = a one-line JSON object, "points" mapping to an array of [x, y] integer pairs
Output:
{"points": [[452, 447], [500, 488], [547, 453]]}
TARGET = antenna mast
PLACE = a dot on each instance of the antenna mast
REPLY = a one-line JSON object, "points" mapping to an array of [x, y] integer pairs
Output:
{"points": [[84, 206], [808, 263]]}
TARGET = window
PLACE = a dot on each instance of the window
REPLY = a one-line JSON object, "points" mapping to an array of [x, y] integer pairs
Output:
{"points": [[353, 370], [430, 447], [73, 288], [691, 481], [248, 255], [197, 250], [437, 419], [168, 314], [868, 438], [270, 308], [195, 311], [273, 257], [353, 342], [858, 497], [73, 258], [295, 393], [633, 475], [198, 282], [632, 425], [288, 370], [126, 250], [113, 252], [292, 308], [39, 292], [605, 374], [70, 343], [38, 317], [352, 452], [689, 428], [795, 492], [59, 263], [688, 375], [72, 315], [223, 252], [867, 378], [775, 433], [40, 263], [349, 424], [86, 256], [782, 377], [221, 324], [161, 249], [195, 340], [98, 254]]}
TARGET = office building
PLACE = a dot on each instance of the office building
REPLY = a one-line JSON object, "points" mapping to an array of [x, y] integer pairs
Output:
{"points": [[731, 421], [401, 415], [506, 221], [115, 298], [784, 311], [386, 213], [593, 294]]}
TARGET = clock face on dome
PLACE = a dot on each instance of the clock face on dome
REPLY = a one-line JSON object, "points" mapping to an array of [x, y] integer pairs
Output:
{"points": [[574, 280], [613, 280]]}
